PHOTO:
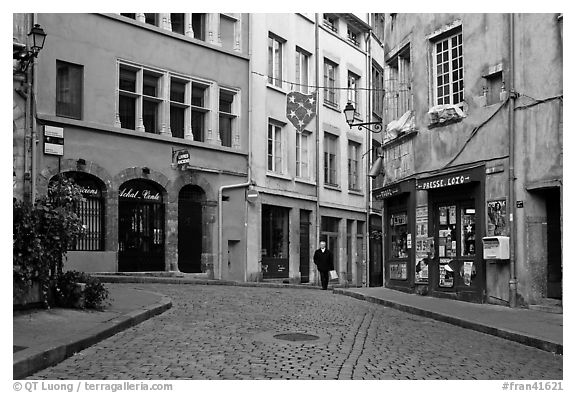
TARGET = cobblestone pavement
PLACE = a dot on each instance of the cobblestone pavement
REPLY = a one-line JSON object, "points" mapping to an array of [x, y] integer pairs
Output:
{"points": [[222, 332]]}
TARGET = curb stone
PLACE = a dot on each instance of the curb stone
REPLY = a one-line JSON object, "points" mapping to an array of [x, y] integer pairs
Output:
{"points": [[498, 332], [31, 360]]}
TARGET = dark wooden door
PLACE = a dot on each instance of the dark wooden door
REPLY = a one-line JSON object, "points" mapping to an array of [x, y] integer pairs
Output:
{"points": [[554, 235], [189, 236], [304, 246]]}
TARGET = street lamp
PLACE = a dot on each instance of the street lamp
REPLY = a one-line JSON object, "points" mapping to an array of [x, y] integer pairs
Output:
{"points": [[24, 55], [349, 114], [377, 166]]}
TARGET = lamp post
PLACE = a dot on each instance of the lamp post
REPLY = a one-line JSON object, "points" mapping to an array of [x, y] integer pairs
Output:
{"points": [[377, 166], [24, 55], [349, 114]]}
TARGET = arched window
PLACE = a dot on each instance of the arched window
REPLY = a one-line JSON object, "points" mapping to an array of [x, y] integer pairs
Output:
{"points": [[90, 210]]}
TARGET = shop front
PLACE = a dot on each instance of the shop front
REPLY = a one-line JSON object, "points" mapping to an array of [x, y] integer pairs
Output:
{"points": [[275, 240], [449, 260], [398, 234], [140, 227]]}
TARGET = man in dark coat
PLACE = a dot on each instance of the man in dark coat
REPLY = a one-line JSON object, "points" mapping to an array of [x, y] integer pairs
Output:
{"points": [[324, 261]]}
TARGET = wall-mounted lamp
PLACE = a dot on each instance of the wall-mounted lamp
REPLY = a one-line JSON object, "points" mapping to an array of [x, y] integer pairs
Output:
{"points": [[24, 55], [349, 111], [80, 161], [146, 170]]}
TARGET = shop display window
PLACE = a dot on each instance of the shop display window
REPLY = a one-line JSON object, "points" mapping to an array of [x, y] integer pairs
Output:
{"points": [[468, 232], [399, 235]]}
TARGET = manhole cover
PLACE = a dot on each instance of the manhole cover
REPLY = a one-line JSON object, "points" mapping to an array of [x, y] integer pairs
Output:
{"points": [[296, 337]]}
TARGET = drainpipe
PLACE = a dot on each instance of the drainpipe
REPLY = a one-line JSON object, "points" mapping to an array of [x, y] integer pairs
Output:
{"points": [[513, 283], [32, 107], [250, 88], [369, 156], [247, 183], [317, 64]]}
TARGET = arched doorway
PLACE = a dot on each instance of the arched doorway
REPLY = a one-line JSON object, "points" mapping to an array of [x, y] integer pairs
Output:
{"points": [[140, 227], [190, 231]]}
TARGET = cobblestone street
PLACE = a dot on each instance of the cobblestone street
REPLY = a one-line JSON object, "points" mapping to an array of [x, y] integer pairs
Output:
{"points": [[226, 332]]}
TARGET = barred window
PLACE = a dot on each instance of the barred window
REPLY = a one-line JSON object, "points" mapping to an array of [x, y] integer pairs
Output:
{"points": [[90, 211]]}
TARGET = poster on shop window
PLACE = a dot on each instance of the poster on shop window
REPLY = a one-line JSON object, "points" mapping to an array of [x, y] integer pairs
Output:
{"points": [[446, 274], [467, 272]]}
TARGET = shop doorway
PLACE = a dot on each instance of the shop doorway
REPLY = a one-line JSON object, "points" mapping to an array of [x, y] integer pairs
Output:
{"points": [[190, 231], [140, 227], [304, 246], [329, 233], [275, 257], [554, 236], [458, 265]]}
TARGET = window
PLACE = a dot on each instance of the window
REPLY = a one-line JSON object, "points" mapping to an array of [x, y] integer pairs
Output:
{"points": [[378, 91], [139, 95], [399, 89], [353, 93], [199, 26], [274, 61], [199, 110], [151, 101], [398, 235], [302, 159], [178, 106], [90, 211], [448, 70], [131, 16], [353, 36], [330, 83], [177, 22], [151, 19], [127, 97], [69, 86], [378, 25], [227, 25], [274, 147], [330, 159], [353, 166], [302, 59], [331, 22], [227, 116]]}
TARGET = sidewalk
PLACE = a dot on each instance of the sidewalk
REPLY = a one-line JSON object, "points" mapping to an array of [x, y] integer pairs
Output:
{"points": [[43, 338], [530, 327]]}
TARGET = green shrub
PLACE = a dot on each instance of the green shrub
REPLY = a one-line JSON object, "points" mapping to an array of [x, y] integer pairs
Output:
{"points": [[42, 234], [96, 295]]}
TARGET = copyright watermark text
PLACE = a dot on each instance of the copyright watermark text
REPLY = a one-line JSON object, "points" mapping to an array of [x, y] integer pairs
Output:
{"points": [[525, 386], [84, 386]]}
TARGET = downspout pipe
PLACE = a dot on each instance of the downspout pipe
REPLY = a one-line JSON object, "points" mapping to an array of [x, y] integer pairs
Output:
{"points": [[220, 218], [32, 99], [248, 181], [369, 156], [513, 283], [317, 71]]}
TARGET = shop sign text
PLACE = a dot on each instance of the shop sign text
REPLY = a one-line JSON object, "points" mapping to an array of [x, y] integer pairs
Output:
{"points": [[138, 194], [443, 182]]}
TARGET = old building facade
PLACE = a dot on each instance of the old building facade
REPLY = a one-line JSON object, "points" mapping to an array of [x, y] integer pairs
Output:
{"points": [[473, 149], [312, 184], [153, 133]]}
